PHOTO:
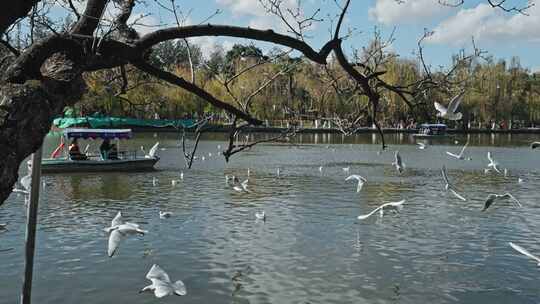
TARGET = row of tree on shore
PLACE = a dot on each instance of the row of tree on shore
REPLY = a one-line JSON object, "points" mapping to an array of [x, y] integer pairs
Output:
{"points": [[275, 85]]}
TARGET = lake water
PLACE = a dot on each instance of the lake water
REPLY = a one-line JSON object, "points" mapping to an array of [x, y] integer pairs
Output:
{"points": [[311, 249]]}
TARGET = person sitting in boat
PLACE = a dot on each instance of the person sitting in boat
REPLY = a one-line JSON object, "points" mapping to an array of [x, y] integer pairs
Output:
{"points": [[108, 150], [75, 151]]}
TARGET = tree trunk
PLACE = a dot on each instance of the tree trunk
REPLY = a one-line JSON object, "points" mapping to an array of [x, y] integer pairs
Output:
{"points": [[27, 111]]}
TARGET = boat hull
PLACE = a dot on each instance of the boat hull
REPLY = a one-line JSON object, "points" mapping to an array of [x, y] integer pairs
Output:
{"points": [[70, 166]]}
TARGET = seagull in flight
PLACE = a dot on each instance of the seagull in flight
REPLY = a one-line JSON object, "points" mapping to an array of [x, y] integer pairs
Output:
{"points": [[492, 198], [398, 162], [152, 152], [450, 112], [162, 285], [421, 146], [361, 180], [118, 230], [396, 206], [535, 144], [460, 155], [260, 215], [243, 187], [346, 169], [449, 186], [525, 252], [26, 182], [492, 163], [164, 214]]}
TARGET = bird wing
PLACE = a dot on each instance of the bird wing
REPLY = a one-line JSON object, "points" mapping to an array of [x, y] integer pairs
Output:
{"points": [[153, 150], [394, 204], [454, 103], [157, 273], [515, 200], [360, 185], [463, 149], [489, 201], [439, 107], [117, 220], [524, 251], [445, 176], [244, 184], [179, 288], [354, 176], [365, 216], [26, 182], [489, 157], [452, 154], [421, 145], [161, 289], [399, 162], [114, 241], [458, 195]]}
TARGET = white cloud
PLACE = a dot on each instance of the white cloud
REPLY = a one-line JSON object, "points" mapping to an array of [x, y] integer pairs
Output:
{"points": [[209, 44], [393, 12], [487, 24], [259, 17], [144, 24], [244, 7]]}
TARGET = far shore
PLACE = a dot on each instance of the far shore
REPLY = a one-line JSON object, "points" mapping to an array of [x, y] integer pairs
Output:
{"points": [[261, 129]]}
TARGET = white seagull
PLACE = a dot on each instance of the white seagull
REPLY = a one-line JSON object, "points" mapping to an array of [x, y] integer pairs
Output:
{"points": [[152, 152], [396, 206], [450, 112], [449, 186], [260, 215], [346, 169], [119, 230], [398, 162], [492, 198], [421, 146], [460, 155], [525, 252], [243, 187], [26, 182], [162, 285], [492, 163], [154, 181], [321, 169], [361, 180], [164, 214]]}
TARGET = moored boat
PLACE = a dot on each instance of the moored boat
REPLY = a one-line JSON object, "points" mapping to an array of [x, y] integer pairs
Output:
{"points": [[431, 130], [103, 162]]}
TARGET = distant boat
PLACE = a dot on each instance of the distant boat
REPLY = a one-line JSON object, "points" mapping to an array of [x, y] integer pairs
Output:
{"points": [[431, 130], [125, 161]]}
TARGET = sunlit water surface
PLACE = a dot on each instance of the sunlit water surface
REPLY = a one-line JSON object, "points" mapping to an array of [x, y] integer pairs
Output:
{"points": [[311, 249]]}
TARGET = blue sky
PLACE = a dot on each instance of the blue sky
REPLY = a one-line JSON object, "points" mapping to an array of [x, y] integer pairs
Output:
{"points": [[501, 34]]}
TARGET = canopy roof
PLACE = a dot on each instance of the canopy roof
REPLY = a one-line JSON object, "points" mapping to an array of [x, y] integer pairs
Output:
{"points": [[427, 125], [98, 133]]}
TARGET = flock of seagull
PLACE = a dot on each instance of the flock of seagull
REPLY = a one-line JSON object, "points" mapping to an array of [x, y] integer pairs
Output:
{"points": [[162, 285]]}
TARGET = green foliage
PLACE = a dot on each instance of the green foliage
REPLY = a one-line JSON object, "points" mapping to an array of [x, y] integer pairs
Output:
{"points": [[495, 90]]}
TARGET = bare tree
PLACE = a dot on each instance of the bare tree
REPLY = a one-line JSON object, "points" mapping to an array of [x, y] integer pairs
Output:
{"points": [[46, 75]]}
